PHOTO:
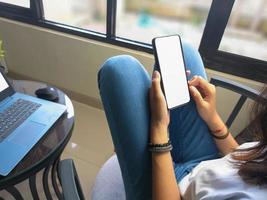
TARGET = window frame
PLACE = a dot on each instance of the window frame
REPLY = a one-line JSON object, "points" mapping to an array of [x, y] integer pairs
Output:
{"points": [[40, 21], [213, 58], [223, 61], [14, 11]]}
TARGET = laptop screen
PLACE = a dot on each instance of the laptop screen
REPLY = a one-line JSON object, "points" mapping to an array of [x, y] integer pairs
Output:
{"points": [[3, 83], [5, 88]]}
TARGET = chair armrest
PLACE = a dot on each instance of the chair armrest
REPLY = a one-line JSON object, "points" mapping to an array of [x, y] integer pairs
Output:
{"points": [[245, 92], [235, 87], [71, 187]]}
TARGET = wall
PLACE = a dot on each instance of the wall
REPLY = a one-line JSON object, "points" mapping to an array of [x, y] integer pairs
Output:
{"points": [[72, 62]]}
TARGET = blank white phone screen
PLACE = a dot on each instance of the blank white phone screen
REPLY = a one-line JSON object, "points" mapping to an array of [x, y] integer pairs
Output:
{"points": [[171, 63]]}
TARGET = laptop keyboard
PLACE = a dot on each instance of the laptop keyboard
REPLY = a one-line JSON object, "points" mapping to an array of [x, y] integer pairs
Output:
{"points": [[15, 115]]}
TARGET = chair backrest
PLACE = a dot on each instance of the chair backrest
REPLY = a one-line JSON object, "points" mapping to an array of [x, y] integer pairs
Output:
{"points": [[245, 92]]}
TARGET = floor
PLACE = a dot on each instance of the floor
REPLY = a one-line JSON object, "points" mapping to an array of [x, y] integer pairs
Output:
{"points": [[90, 145]]}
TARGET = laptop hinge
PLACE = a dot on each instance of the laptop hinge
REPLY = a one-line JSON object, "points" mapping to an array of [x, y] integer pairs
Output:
{"points": [[5, 101]]}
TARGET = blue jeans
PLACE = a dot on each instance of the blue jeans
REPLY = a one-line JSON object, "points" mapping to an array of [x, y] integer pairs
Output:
{"points": [[124, 85]]}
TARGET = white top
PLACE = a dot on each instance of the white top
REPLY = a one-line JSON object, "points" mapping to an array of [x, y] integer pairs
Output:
{"points": [[218, 179]]}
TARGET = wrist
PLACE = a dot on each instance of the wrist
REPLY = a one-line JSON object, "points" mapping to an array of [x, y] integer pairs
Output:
{"points": [[215, 123], [221, 133], [159, 135]]}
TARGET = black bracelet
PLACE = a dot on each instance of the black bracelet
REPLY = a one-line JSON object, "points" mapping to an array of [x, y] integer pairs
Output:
{"points": [[221, 137], [160, 148]]}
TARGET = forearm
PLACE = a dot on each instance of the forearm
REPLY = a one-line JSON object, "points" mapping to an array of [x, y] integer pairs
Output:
{"points": [[226, 145], [164, 185]]}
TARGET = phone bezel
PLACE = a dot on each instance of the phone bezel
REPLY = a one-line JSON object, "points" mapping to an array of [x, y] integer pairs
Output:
{"points": [[158, 67]]}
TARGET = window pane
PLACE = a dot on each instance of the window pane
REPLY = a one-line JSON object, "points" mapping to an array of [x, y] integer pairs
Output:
{"points": [[246, 31], [23, 3], [141, 20], [86, 14]]}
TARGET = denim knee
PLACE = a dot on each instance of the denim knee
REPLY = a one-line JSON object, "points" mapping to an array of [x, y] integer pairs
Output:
{"points": [[193, 61], [116, 66]]}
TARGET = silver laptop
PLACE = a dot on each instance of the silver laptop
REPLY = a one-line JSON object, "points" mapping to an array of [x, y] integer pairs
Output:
{"points": [[23, 122]]}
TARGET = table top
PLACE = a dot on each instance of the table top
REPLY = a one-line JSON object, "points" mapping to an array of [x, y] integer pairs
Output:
{"points": [[53, 142]]}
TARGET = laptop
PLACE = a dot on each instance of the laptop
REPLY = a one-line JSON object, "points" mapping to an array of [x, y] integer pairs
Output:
{"points": [[24, 120]]}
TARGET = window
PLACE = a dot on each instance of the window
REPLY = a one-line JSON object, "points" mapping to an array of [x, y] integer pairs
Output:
{"points": [[246, 31], [21, 9], [231, 34], [228, 52], [142, 20], [22, 3], [85, 14]]}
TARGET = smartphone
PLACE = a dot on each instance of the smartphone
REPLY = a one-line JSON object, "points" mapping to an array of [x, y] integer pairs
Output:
{"points": [[170, 63]]}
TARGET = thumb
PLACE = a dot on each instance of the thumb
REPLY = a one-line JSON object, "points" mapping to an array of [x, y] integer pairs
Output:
{"points": [[156, 82], [196, 95]]}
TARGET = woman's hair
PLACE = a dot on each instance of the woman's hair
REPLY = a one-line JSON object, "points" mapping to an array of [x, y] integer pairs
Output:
{"points": [[252, 162]]}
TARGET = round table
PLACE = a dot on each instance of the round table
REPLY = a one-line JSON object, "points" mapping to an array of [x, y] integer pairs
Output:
{"points": [[46, 153]]}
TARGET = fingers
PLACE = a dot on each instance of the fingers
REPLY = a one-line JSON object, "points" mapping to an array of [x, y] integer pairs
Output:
{"points": [[156, 75], [156, 94], [199, 82], [156, 88], [196, 95]]}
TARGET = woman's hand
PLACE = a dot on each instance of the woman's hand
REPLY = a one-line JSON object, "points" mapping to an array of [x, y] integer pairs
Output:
{"points": [[159, 113], [204, 95]]}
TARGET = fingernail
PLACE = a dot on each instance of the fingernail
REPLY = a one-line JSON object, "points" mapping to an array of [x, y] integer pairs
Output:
{"points": [[194, 77], [155, 75]]}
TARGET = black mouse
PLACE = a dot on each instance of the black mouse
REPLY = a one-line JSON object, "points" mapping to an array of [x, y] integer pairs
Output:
{"points": [[48, 93]]}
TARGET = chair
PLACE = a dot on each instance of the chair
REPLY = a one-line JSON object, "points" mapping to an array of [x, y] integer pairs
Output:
{"points": [[109, 183], [71, 187]]}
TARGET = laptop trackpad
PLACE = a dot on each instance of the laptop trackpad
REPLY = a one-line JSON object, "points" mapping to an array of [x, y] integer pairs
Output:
{"points": [[31, 130]]}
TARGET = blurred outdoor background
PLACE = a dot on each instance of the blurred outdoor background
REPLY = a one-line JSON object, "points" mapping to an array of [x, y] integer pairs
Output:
{"points": [[141, 20]]}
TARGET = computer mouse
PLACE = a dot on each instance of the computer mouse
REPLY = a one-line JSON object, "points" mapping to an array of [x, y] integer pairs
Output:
{"points": [[48, 93]]}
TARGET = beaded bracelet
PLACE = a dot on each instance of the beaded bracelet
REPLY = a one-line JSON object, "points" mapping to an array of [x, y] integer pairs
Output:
{"points": [[160, 148]]}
